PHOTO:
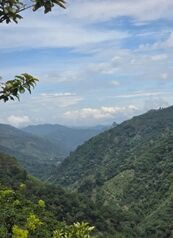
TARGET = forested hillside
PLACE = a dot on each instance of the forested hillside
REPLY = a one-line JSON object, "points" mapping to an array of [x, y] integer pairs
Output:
{"points": [[48, 208], [119, 181], [92, 66], [130, 169], [40, 148], [37, 155]]}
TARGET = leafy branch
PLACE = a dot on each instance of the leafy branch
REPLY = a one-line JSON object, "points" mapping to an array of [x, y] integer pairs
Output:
{"points": [[10, 9], [13, 88], [10, 12]]}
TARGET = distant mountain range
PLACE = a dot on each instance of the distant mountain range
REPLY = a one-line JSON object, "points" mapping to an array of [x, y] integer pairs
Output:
{"points": [[65, 137], [40, 148], [33, 152]]}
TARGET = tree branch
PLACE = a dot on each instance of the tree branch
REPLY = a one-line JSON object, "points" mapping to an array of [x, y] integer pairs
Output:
{"points": [[25, 8]]}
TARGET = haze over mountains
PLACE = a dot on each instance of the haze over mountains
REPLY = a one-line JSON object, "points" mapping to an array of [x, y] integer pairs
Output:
{"points": [[67, 138], [40, 148]]}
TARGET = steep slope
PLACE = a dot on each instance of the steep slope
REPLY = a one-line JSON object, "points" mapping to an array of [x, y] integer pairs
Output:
{"points": [[34, 153], [65, 137], [129, 169], [103, 154], [22, 196]]}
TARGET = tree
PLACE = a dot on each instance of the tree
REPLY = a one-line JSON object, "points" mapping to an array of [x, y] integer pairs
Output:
{"points": [[10, 11], [12, 88]]}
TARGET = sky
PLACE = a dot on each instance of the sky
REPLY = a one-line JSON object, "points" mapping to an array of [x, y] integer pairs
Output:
{"points": [[98, 61]]}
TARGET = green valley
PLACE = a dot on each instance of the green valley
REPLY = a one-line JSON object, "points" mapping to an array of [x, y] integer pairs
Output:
{"points": [[40, 148], [86, 119]]}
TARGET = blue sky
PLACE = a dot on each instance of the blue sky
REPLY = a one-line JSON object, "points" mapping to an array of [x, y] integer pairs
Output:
{"points": [[98, 61]]}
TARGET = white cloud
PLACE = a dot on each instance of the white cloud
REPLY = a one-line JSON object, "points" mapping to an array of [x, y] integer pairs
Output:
{"points": [[155, 103], [140, 94], [170, 40], [97, 63], [98, 114], [135, 64], [103, 68], [18, 121], [50, 95], [37, 32], [133, 107], [139, 65], [101, 10], [67, 76], [45, 107], [164, 44], [164, 76], [56, 100], [115, 83], [159, 57]]}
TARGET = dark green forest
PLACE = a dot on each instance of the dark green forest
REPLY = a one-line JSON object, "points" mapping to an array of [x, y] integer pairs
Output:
{"points": [[97, 62], [119, 181], [22, 195], [129, 169]]}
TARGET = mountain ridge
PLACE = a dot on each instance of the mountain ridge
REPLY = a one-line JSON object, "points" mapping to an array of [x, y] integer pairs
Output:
{"points": [[130, 169], [68, 138], [138, 128]]}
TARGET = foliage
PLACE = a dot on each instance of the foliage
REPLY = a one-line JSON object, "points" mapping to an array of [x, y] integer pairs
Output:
{"points": [[77, 230], [41, 203], [117, 149], [51, 205], [19, 233], [12, 88], [128, 169], [33, 222], [10, 10], [124, 182], [20, 218]]}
